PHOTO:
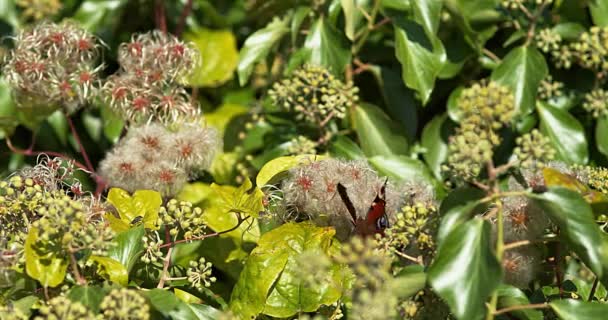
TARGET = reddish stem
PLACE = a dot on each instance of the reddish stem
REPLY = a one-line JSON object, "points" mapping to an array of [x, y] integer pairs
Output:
{"points": [[159, 12], [81, 149], [182, 19]]}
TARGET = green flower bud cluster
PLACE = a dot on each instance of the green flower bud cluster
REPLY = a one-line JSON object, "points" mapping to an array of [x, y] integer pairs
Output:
{"points": [[591, 49], [595, 177], [596, 103], [301, 145], [62, 308], [550, 89], [19, 200], [68, 223], [124, 304], [533, 149], [512, 4], [181, 216], [315, 94], [375, 304], [152, 249], [39, 9], [484, 109], [415, 224], [370, 266], [547, 40], [199, 274], [314, 268]]}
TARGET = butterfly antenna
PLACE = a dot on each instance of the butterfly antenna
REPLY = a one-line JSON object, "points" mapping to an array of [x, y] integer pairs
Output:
{"points": [[349, 205], [383, 189]]}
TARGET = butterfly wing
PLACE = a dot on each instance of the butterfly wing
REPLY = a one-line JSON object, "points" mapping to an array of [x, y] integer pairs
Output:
{"points": [[349, 204]]}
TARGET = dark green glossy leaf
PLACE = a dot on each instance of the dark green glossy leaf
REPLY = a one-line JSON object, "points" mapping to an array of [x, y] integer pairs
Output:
{"points": [[522, 70], [403, 168], [427, 13], [89, 296], [434, 140], [570, 309], [378, 134], [475, 18], [270, 284], [258, 45], [599, 12], [344, 147], [452, 106], [167, 304], [97, 14], [409, 281], [565, 133], [601, 132], [299, 16], [128, 247], [8, 13], [327, 47], [509, 296], [568, 210], [353, 15], [569, 30], [465, 271], [458, 207]]}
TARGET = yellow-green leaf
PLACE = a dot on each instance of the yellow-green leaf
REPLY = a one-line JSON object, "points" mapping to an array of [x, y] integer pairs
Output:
{"points": [[144, 204], [275, 166], [245, 199], [186, 297], [554, 178], [221, 116], [111, 269], [219, 57], [45, 266]]}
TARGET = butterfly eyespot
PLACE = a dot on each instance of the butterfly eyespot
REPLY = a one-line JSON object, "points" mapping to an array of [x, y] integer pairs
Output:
{"points": [[382, 222]]}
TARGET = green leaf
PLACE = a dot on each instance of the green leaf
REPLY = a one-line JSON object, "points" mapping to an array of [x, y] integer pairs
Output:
{"points": [[143, 203], [8, 121], [112, 124], [95, 15], [404, 169], [599, 12], [427, 13], [111, 269], [435, 141], [465, 271], [279, 165], [47, 266], [569, 309], [221, 116], [167, 304], [459, 206], [522, 70], [8, 13], [258, 45], [601, 132], [301, 13], [573, 215], [24, 305], [344, 147], [353, 15], [327, 47], [60, 126], [205, 312], [89, 296], [245, 200], [128, 247], [477, 19], [218, 60], [509, 296], [569, 30], [566, 134], [270, 283], [421, 58], [378, 134], [409, 281], [453, 109], [186, 297]]}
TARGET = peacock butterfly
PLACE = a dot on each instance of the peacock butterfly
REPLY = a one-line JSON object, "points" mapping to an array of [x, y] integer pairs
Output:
{"points": [[376, 219]]}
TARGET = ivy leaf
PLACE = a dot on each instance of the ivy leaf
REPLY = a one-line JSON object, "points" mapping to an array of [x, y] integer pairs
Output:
{"points": [[465, 271], [89, 296], [573, 215], [327, 47], [421, 57], [565, 133], [111, 269], [475, 19], [205, 312], [378, 134], [353, 15], [112, 124], [144, 204], [435, 141], [300, 14], [246, 199], [167, 304], [509, 296], [555, 178], [94, 15], [522, 70], [344, 147], [601, 131], [404, 169], [270, 284], [569, 309], [218, 60], [47, 266], [458, 207], [599, 12], [128, 247], [8, 121], [258, 45], [427, 13], [275, 167]]}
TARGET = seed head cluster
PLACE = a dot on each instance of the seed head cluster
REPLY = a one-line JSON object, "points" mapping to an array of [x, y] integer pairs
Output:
{"points": [[485, 108], [124, 304], [314, 94], [54, 65], [147, 86], [155, 157]]}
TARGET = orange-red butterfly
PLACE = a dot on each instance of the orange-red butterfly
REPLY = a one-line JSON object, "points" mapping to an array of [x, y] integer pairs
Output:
{"points": [[376, 219]]}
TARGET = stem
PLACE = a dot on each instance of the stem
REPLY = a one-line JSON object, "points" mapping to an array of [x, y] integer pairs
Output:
{"points": [[370, 26], [81, 149], [499, 251], [522, 307], [517, 244], [159, 12], [166, 263], [491, 55], [79, 279], [170, 244], [593, 288], [175, 278], [182, 19]]}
